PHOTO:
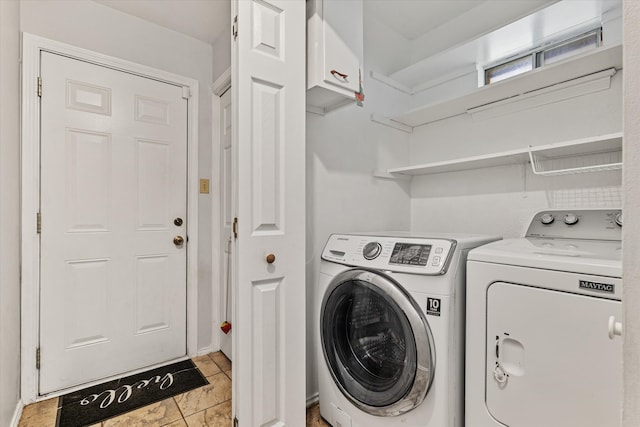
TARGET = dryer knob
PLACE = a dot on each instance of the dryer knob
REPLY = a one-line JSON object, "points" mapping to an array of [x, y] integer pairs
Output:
{"points": [[547, 219], [570, 219], [371, 250]]}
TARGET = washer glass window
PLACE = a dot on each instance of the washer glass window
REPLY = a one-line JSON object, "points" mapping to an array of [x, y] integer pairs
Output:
{"points": [[371, 330]]}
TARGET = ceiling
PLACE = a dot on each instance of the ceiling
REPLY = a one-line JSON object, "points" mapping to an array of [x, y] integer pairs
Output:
{"points": [[431, 26], [204, 20], [413, 18], [434, 26]]}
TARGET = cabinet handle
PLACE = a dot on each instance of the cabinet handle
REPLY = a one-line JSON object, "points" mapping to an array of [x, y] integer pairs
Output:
{"points": [[339, 74]]}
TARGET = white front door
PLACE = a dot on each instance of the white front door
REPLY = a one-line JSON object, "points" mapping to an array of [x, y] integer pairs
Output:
{"points": [[113, 197], [268, 65]]}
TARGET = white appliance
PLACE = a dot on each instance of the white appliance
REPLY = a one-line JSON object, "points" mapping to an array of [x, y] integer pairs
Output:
{"points": [[391, 316], [543, 317]]}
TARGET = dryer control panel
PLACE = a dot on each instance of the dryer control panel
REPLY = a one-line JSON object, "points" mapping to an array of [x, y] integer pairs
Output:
{"points": [[594, 224], [404, 255]]}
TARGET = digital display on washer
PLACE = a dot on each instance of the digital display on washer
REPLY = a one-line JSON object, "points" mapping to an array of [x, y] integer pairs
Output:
{"points": [[410, 254]]}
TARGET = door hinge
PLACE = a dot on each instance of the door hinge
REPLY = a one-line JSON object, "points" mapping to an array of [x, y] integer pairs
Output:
{"points": [[40, 86], [234, 28], [235, 422], [186, 92], [38, 223], [38, 358], [235, 227]]}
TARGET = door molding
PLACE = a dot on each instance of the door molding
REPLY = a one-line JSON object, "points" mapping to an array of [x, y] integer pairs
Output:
{"points": [[222, 83], [218, 88], [30, 192]]}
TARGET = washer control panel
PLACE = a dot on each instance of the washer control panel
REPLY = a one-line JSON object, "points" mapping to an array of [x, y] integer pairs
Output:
{"points": [[591, 224], [406, 255]]}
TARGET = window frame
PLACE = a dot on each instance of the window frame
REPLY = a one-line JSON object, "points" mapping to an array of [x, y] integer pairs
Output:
{"points": [[537, 55]]}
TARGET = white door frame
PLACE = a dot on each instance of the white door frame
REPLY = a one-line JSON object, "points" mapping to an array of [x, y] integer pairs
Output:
{"points": [[30, 191], [218, 88]]}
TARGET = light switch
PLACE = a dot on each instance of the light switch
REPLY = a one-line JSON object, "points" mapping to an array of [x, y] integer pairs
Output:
{"points": [[204, 186]]}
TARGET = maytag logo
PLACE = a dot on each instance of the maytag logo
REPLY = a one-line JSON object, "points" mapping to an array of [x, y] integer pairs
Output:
{"points": [[595, 286]]}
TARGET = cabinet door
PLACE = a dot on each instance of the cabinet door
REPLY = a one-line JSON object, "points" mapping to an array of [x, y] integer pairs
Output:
{"points": [[342, 42]]}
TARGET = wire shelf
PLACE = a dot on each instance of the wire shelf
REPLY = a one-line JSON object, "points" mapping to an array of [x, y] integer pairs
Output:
{"points": [[588, 155], [581, 198]]}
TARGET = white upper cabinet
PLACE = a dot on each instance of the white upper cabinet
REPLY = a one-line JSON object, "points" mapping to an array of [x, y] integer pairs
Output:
{"points": [[334, 53]]}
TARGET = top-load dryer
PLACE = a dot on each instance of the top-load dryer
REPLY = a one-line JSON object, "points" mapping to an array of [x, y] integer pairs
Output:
{"points": [[543, 315]]}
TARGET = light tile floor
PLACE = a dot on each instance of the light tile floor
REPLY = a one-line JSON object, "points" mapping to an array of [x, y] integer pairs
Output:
{"points": [[314, 419], [207, 406]]}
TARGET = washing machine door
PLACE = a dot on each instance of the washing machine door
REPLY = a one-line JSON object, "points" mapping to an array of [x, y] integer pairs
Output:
{"points": [[376, 342]]}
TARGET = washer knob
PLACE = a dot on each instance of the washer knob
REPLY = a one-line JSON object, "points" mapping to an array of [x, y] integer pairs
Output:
{"points": [[371, 250], [547, 219], [619, 219], [570, 219]]}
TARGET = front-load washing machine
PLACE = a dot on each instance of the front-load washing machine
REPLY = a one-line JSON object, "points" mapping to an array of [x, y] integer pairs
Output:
{"points": [[543, 315], [391, 317]]}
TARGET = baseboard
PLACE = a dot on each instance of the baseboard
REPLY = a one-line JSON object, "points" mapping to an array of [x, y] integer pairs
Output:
{"points": [[17, 414], [313, 399], [206, 350]]}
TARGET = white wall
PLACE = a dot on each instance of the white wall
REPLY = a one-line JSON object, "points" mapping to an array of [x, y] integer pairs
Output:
{"points": [[344, 147], [631, 230], [387, 51], [221, 52], [502, 200], [99, 28], [9, 210]]}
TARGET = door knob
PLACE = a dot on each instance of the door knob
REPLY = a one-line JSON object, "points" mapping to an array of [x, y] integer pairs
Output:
{"points": [[271, 258], [178, 240]]}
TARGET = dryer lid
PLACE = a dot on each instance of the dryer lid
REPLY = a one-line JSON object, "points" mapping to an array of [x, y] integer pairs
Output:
{"points": [[595, 257]]}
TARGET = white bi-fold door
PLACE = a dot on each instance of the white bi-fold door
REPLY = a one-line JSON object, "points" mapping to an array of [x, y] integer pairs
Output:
{"points": [[113, 206], [268, 64]]}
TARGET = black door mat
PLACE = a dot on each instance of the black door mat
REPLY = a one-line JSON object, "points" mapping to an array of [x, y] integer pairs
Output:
{"points": [[100, 402]]}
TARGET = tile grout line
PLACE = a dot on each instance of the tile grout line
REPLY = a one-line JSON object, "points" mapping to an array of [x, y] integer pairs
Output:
{"points": [[179, 409]]}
